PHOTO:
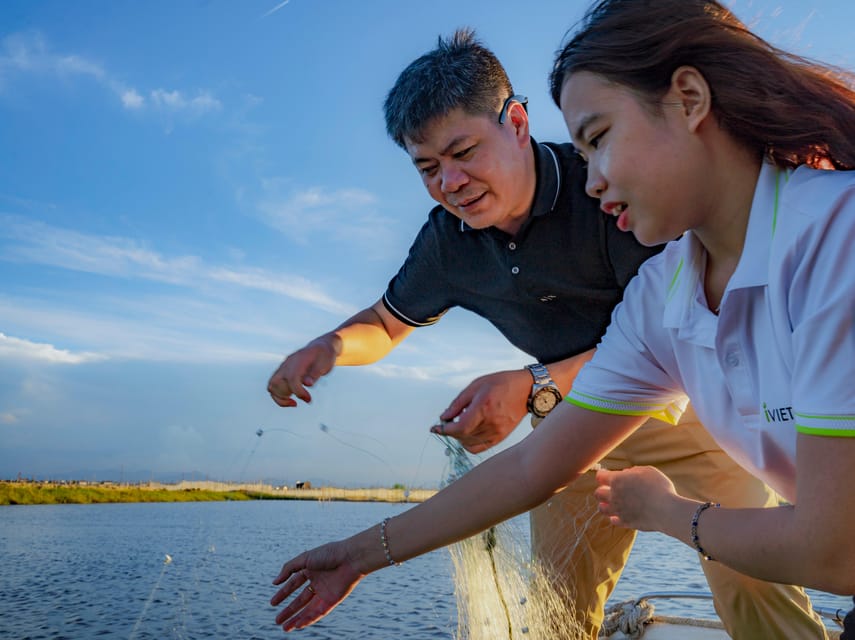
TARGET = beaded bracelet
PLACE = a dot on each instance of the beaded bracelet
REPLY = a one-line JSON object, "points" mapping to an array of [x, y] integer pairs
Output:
{"points": [[385, 542], [695, 540]]}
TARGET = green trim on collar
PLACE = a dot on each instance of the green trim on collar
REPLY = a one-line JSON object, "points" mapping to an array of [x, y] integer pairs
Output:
{"points": [[672, 285]]}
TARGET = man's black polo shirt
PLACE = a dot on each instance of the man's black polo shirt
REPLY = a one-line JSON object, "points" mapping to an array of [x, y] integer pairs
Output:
{"points": [[550, 290]]}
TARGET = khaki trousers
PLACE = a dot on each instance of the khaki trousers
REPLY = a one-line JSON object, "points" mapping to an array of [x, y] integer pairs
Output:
{"points": [[589, 569]]}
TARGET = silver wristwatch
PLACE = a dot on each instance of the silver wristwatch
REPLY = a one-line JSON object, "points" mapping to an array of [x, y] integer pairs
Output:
{"points": [[545, 394]]}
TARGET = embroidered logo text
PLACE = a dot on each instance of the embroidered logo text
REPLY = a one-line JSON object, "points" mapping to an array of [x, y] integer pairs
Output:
{"points": [[780, 414]]}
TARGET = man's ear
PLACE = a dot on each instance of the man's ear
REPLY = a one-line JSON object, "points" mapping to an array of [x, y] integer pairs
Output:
{"points": [[518, 119], [691, 91]]}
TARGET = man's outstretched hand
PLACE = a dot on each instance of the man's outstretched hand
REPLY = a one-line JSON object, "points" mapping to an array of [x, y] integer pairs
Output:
{"points": [[301, 369]]}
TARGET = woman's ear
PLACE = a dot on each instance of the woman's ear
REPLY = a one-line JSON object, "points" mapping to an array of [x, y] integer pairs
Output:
{"points": [[691, 91]]}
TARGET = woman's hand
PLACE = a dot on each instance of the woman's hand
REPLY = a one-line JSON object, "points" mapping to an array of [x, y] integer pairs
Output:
{"points": [[328, 575], [636, 498]]}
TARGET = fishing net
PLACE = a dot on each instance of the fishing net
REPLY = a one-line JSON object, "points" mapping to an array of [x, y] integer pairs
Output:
{"points": [[502, 592]]}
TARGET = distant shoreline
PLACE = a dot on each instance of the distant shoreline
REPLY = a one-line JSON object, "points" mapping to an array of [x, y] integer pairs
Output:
{"points": [[36, 493]]}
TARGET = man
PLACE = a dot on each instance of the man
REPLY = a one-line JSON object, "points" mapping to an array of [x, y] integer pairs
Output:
{"points": [[515, 239]]}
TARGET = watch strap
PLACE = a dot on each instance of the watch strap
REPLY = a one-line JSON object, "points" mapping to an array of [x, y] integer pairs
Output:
{"points": [[540, 373]]}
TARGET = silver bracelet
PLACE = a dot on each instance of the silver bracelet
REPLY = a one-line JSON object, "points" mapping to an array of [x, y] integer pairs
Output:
{"points": [[695, 540], [385, 542]]}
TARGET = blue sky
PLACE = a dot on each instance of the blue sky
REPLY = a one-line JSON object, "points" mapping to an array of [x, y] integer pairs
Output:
{"points": [[191, 190]]}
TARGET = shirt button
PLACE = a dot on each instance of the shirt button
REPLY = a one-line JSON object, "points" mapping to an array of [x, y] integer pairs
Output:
{"points": [[515, 270], [732, 359], [512, 246]]}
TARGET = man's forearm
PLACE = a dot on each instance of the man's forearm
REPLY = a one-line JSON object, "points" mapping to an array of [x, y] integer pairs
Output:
{"points": [[366, 337]]}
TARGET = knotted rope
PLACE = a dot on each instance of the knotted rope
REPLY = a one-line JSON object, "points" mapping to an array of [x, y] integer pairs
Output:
{"points": [[460, 465], [627, 617]]}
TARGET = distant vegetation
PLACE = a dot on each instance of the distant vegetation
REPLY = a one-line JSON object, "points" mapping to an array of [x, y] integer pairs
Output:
{"points": [[23, 493]]}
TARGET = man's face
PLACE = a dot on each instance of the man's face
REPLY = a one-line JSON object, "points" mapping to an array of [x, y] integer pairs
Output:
{"points": [[478, 169]]}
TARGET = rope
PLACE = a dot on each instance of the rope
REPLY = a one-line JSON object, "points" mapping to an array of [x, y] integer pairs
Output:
{"points": [[489, 538], [627, 617], [460, 465]]}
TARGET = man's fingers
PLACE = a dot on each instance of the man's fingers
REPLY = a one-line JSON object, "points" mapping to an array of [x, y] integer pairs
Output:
{"points": [[472, 444], [476, 448], [451, 429], [469, 435], [284, 392], [457, 406], [304, 395]]}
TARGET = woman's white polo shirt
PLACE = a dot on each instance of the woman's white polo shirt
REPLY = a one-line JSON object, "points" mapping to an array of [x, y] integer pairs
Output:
{"points": [[780, 357]]}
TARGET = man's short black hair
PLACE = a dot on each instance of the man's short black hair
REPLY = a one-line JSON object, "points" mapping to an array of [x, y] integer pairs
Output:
{"points": [[459, 73]]}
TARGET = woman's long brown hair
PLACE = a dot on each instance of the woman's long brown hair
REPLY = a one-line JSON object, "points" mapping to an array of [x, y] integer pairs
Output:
{"points": [[785, 107]]}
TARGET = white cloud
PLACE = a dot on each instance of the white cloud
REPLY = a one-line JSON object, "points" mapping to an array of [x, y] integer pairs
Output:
{"points": [[39, 243], [454, 373], [175, 100], [294, 287], [76, 65], [154, 329], [8, 417], [132, 100], [26, 52], [313, 208], [18, 349], [29, 53], [344, 215]]}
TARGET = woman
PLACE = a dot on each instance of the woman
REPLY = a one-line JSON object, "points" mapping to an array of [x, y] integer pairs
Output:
{"points": [[689, 123]]}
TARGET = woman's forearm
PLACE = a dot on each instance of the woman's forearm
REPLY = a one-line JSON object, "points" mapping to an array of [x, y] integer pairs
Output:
{"points": [[808, 544], [568, 442]]}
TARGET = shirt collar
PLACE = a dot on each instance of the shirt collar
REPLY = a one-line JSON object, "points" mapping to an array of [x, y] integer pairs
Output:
{"points": [[753, 267], [685, 307], [547, 169]]}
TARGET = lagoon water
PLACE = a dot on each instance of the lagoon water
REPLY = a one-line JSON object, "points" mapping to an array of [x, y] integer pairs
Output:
{"points": [[78, 572]]}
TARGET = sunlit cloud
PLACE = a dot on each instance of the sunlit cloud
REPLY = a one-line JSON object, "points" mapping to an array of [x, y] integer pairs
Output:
{"points": [[19, 349], [8, 417]]}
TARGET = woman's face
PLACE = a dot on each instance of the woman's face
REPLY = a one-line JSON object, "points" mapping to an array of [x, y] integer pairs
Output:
{"points": [[646, 168]]}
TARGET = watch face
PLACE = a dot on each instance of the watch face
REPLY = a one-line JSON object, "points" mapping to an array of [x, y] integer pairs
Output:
{"points": [[543, 402]]}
